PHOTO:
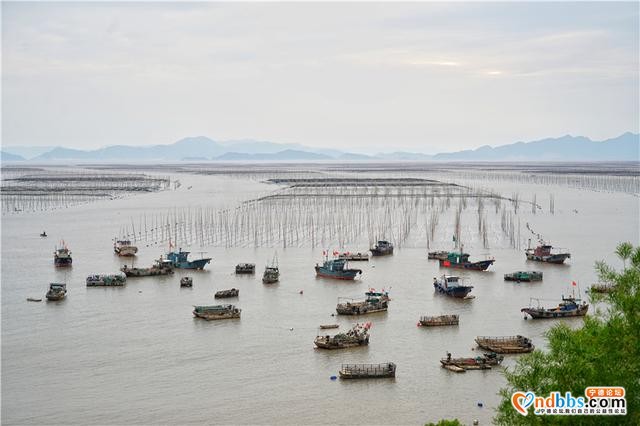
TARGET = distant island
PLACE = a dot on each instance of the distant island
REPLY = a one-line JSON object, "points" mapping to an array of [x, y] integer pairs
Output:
{"points": [[625, 147]]}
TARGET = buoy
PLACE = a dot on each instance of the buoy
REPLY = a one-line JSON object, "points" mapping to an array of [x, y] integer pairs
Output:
{"points": [[301, 292], [291, 329], [333, 377], [480, 404]]}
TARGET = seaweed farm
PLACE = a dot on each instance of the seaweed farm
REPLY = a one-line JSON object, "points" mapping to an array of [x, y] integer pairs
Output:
{"points": [[42, 189], [140, 343], [340, 212]]}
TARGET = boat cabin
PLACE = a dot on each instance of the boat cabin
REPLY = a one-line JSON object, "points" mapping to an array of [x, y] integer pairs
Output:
{"points": [[57, 287]]}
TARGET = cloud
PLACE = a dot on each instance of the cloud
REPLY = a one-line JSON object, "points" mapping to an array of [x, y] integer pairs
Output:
{"points": [[366, 75]]}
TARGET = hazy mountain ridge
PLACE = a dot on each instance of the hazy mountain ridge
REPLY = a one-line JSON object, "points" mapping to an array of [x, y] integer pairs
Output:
{"points": [[6, 156], [565, 148]]}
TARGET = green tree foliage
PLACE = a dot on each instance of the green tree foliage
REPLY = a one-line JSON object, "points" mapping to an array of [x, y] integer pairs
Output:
{"points": [[445, 422], [605, 351]]}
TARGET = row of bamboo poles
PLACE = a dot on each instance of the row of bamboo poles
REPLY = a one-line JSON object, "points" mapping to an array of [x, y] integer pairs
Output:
{"points": [[341, 217]]}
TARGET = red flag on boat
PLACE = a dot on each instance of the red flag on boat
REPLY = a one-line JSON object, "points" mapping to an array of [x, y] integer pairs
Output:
{"points": [[446, 263], [335, 253], [573, 283]]}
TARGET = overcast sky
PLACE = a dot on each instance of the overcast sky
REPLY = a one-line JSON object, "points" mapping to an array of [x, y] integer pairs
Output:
{"points": [[426, 77]]}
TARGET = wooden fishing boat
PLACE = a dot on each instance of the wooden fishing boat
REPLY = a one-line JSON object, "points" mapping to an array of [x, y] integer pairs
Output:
{"points": [[438, 255], [104, 280], [382, 248], [337, 269], [271, 273], [180, 260], [217, 312], [439, 320], [451, 286], [57, 291], [62, 256], [354, 257], [245, 268], [356, 336], [569, 307], [374, 302], [482, 362], [328, 326], [160, 267], [525, 276], [602, 288], [544, 253], [461, 261], [505, 344], [186, 282], [233, 292], [123, 247], [367, 371]]}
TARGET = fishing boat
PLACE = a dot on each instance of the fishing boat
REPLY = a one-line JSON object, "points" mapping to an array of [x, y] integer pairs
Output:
{"points": [[271, 273], [451, 286], [602, 288], [382, 248], [337, 269], [124, 248], [545, 253], [439, 320], [245, 268], [216, 312], [186, 282], [482, 362], [438, 255], [160, 267], [460, 260], [568, 307], [505, 344], [180, 260], [57, 291], [103, 280], [233, 292], [354, 257], [328, 326], [62, 256], [356, 336], [525, 276], [374, 302], [367, 371]]}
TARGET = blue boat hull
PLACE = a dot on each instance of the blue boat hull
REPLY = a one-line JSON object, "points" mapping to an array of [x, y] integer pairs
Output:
{"points": [[474, 266], [459, 292], [193, 264], [347, 274]]}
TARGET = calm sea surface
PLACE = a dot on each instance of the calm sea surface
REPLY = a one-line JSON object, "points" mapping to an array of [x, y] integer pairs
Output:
{"points": [[136, 355]]}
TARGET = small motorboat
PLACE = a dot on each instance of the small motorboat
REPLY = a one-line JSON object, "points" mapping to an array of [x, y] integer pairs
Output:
{"points": [[43, 234], [327, 326], [34, 299], [186, 282]]}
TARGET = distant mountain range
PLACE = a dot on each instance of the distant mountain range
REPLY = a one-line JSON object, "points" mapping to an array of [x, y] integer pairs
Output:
{"points": [[201, 148], [5, 156]]}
